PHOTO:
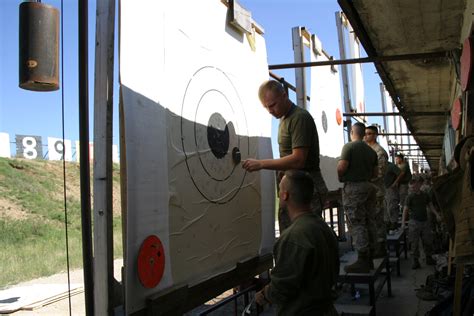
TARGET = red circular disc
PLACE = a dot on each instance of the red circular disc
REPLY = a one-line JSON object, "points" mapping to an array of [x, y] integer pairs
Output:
{"points": [[456, 112], [338, 117], [151, 262], [467, 61]]}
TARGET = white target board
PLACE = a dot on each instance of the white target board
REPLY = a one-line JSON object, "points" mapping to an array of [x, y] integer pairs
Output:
{"points": [[59, 149], [326, 109], [357, 82], [4, 145], [189, 85]]}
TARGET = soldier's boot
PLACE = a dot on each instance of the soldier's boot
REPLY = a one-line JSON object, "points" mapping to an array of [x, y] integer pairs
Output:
{"points": [[362, 265], [380, 250], [416, 264]]}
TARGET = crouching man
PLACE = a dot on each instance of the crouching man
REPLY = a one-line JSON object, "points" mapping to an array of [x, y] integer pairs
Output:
{"points": [[306, 255]]}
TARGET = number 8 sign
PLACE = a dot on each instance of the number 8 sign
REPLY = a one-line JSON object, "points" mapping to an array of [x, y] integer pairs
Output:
{"points": [[29, 146]]}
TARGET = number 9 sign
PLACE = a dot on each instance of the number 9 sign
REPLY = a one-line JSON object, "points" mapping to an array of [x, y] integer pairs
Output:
{"points": [[57, 150], [29, 146]]}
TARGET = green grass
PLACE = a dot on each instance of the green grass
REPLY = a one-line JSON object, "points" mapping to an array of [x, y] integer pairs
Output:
{"points": [[32, 242]]}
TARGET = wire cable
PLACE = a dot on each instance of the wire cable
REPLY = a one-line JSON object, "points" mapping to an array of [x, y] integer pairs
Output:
{"points": [[64, 159]]}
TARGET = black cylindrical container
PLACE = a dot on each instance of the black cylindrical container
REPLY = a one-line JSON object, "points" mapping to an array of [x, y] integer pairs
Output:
{"points": [[39, 47]]}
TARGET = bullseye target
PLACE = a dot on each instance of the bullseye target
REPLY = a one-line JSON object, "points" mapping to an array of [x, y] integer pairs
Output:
{"points": [[216, 128], [151, 262]]}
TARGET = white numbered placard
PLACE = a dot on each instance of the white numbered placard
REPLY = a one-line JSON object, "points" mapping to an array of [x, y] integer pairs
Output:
{"points": [[4, 145], [29, 146], [59, 149], [91, 151]]}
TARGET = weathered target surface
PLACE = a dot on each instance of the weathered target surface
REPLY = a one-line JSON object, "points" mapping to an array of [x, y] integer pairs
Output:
{"points": [[190, 115], [326, 109], [212, 147]]}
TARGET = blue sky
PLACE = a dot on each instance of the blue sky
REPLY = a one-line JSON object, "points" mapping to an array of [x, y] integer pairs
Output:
{"points": [[39, 113]]}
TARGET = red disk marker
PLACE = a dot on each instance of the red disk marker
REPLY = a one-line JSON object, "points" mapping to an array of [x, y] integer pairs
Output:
{"points": [[151, 262], [338, 117], [467, 60], [456, 111]]}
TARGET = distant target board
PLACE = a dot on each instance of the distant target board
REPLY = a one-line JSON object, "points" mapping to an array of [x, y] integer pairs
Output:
{"points": [[326, 109], [59, 149], [29, 146], [190, 116], [4, 145]]}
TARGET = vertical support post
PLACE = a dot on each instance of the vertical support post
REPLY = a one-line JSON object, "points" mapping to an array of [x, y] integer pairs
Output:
{"points": [[384, 106], [300, 73], [103, 121], [83, 31], [345, 77], [458, 289]]}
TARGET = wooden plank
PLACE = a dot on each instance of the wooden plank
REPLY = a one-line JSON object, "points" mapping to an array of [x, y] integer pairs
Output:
{"points": [[458, 290], [185, 298], [353, 310], [103, 115], [300, 74]]}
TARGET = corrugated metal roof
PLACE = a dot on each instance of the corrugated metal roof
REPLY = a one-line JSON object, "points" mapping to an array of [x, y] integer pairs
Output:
{"points": [[395, 27]]}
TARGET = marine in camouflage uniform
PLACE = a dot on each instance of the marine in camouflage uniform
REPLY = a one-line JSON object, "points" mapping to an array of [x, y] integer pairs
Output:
{"points": [[404, 178], [371, 133], [298, 142], [416, 206], [357, 165], [392, 198]]}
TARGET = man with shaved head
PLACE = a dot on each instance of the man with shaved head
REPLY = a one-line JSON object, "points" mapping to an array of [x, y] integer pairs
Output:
{"points": [[306, 255], [298, 142]]}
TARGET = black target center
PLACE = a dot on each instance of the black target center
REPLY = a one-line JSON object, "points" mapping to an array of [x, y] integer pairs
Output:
{"points": [[218, 135]]}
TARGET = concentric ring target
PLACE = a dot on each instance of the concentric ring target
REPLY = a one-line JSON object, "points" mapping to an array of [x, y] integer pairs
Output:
{"points": [[213, 123]]}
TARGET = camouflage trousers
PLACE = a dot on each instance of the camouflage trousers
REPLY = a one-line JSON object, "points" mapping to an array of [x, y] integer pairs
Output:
{"points": [[420, 230], [358, 199], [317, 202], [381, 227], [392, 201], [403, 193]]}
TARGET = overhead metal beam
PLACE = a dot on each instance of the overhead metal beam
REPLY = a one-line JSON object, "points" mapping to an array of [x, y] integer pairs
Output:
{"points": [[373, 59], [411, 134], [391, 144], [411, 113]]}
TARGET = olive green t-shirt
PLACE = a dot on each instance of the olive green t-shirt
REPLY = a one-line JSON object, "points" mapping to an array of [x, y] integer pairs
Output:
{"points": [[407, 176], [391, 174], [417, 203], [362, 161], [297, 129]]}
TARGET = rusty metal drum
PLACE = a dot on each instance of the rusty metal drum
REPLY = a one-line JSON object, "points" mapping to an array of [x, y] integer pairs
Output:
{"points": [[38, 47]]}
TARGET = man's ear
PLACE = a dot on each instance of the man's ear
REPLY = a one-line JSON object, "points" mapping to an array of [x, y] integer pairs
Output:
{"points": [[285, 195]]}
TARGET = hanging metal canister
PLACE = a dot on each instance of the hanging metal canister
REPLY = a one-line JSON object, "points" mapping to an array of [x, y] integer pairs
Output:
{"points": [[39, 47]]}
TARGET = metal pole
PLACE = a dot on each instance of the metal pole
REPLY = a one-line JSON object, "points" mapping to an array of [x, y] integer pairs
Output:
{"points": [[411, 113], [412, 134], [84, 157], [300, 75], [375, 59], [345, 77]]}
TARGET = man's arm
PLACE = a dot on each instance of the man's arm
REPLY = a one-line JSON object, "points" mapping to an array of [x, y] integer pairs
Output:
{"points": [[398, 179], [404, 215], [342, 166], [433, 210], [296, 160]]}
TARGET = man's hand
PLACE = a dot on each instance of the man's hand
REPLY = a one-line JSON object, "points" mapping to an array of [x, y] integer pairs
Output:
{"points": [[252, 165], [260, 297]]}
